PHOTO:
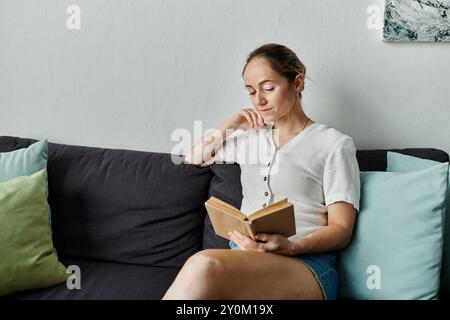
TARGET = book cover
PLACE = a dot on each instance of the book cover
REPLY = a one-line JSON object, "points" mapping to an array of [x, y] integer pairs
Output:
{"points": [[276, 218]]}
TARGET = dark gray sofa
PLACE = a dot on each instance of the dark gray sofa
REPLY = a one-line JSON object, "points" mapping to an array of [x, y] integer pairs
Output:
{"points": [[130, 219]]}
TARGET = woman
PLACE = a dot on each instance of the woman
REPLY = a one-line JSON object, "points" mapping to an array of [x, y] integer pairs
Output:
{"points": [[311, 164]]}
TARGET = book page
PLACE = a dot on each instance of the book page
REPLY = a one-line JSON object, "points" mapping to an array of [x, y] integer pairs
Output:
{"points": [[223, 206], [281, 221], [274, 211], [224, 221], [271, 208]]}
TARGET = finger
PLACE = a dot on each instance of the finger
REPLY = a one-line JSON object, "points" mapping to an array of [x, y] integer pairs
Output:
{"points": [[232, 237], [248, 117], [256, 118], [262, 247], [270, 247], [264, 237], [246, 241], [260, 119], [241, 246], [253, 117], [240, 243]]}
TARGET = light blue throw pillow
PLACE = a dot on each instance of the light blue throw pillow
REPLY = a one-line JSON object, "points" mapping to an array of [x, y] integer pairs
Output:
{"points": [[25, 162], [397, 162], [396, 248]]}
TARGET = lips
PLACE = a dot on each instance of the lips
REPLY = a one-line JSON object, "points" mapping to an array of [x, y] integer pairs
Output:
{"points": [[265, 110]]}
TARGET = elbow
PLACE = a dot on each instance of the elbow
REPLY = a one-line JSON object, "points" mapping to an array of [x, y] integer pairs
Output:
{"points": [[189, 158], [344, 244], [345, 237], [197, 162]]}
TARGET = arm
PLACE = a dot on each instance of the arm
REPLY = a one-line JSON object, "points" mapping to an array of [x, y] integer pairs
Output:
{"points": [[341, 176], [203, 153], [336, 235]]}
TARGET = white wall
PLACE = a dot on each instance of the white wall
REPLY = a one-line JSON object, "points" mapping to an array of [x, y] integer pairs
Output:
{"points": [[137, 70]]}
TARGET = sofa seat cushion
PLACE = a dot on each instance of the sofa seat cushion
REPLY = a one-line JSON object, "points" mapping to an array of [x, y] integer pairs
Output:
{"points": [[108, 281]]}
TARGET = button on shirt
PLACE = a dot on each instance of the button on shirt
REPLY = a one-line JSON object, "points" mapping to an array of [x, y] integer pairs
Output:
{"points": [[316, 168]]}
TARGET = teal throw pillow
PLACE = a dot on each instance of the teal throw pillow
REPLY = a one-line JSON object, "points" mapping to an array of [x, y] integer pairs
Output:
{"points": [[397, 162], [396, 250]]}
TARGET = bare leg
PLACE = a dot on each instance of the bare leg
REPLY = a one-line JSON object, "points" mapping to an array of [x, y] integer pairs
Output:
{"points": [[237, 274]]}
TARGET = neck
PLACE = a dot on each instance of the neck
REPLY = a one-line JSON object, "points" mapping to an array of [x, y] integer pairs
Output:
{"points": [[293, 122]]}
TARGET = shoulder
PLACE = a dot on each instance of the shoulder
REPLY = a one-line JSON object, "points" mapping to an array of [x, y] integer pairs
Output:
{"points": [[332, 137], [329, 133], [333, 141]]}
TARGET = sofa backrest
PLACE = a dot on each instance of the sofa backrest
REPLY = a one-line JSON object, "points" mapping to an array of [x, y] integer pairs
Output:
{"points": [[139, 207], [121, 205]]}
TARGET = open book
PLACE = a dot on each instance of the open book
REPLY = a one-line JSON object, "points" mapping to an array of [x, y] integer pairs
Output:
{"points": [[276, 218]]}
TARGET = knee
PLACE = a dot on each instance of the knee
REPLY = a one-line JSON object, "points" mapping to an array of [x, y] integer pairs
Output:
{"points": [[204, 265], [201, 274]]}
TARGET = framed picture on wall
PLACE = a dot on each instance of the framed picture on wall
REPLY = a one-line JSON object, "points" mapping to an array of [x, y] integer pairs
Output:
{"points": [[417, 20]]}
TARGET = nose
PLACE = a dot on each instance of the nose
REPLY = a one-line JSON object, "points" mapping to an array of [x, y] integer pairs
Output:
{"points": [[260, 99]]}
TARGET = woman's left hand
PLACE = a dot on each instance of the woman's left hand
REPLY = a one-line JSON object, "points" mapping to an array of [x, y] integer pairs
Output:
{"points": [[274, 243]]}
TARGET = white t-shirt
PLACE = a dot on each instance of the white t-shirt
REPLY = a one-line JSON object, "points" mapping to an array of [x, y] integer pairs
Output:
{"points": [[314, 169]]}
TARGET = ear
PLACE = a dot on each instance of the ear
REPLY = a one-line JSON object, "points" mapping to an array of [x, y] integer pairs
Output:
{"points": [[300, 82]]}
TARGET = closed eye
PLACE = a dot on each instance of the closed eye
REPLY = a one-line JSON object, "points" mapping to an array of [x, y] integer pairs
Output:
{"points": [[267, 90]]}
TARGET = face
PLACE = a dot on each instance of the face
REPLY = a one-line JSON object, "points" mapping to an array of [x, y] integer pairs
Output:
{"points": [[270, 92]]}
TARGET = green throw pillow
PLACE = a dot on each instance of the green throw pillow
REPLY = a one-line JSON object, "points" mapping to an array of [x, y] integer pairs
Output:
{"points": [[398, 162], [27, 255], [396, 250]]}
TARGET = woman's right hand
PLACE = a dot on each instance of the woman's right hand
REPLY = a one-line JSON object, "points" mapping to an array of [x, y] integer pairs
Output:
{"points": [[247, 119]]}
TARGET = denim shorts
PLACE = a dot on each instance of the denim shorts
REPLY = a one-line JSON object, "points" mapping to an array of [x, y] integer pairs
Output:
{"points": [[322, 265]]}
